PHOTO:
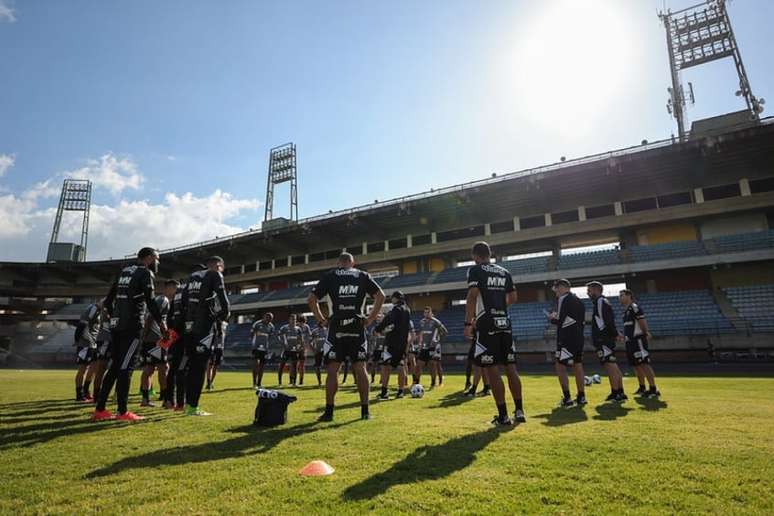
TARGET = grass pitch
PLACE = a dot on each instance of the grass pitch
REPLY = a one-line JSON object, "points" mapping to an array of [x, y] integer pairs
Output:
{"points": [[708, 446]]}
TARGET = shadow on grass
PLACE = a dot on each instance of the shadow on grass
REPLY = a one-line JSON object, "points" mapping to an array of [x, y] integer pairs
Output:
{"points": [[426, 463], [563, 416], [651, 404], [453, 399], [319, 410], [611, 411], [251, 440]]}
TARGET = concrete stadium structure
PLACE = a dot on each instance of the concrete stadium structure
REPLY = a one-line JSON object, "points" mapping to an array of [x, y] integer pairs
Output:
{"points": [[692, 223]]}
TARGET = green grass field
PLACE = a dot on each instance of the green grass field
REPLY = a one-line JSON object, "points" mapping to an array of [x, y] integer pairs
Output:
{"points": [[708, 446]]}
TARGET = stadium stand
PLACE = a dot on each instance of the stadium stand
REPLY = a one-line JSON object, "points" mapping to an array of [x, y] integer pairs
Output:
{"points": [[744, 242], [668, 251], [527, 265], [753, 304], [407, 280], [589, 259]]}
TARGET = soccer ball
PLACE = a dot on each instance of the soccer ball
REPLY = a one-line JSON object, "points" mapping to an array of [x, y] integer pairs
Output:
{"points": [[417, 391], [587, 380], [596, 379]]}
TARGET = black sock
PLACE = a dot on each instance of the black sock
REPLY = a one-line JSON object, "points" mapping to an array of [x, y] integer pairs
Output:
{"points": [[145, 394], [329, 410], [384, 391], [78, 393], [486, 388], [472, 389], [653, 387], [502, 410], [400, 391], [519, 404], [163, 394], [86, 386], [642, 386], [581, 394], [364, 410], [566, 393]]}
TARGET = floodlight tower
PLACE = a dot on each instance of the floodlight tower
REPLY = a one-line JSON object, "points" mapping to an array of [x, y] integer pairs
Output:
{"points": [[695, 36], [282, 168], [75, 196]]}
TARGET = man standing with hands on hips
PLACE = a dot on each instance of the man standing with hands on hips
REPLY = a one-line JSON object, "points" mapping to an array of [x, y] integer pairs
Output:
{"points": [[346, 289]]}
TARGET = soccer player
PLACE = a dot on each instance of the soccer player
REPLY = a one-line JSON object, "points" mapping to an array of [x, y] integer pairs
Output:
{"points": [[86, 333], [603, 336], [375, 347], [130, 296], [569, 318], [319, 337], [395, 327], [176, 376], [103, 349], [263, 332], [217, 352], [292, 341], [306, 340], [431, 331], [207, 305], [636, 334], [153, 356], [490, 291], [347, 288]]}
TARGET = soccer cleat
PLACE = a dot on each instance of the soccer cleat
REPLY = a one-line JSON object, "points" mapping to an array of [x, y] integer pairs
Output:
{"points": [[519, 416], [168, 405], [102, 415], [470, 393], [179, 408], [129, 416], [620, 397], [566, 403], [208, 387], [581, 400], [147, 403], [325, 417], [611, 397], [86, 399], [195, 411], [365, 417], [384, 396], [501, 421], [399, 395], [640, 391], [485, 392], [652, 393]]}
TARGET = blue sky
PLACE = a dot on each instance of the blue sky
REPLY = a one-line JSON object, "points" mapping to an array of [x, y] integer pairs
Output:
{"points": [[171, 107]]}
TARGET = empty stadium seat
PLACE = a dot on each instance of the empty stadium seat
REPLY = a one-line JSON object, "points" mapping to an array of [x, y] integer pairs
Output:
{"points": [[589, 259], [744, 242], [671, 250], [753, 303]]}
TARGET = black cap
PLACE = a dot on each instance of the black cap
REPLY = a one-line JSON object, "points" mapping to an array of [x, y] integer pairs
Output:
{"points": [[397, 295], [595, 284], [562, 281]]}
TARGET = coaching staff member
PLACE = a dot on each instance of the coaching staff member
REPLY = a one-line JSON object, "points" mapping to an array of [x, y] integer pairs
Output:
{"points": [[346, 289], [395, 327], [569, 317], [130, 297]]}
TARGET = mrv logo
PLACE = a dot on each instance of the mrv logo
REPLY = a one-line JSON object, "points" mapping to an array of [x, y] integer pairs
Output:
{"points": [[495, 282], [348, 290]]}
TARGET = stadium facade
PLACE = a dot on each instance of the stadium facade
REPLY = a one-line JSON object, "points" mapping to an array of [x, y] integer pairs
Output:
{"points": [[690, 226]]}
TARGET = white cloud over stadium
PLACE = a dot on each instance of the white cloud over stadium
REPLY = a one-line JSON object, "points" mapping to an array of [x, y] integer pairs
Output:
{"points": [[120, 227]]}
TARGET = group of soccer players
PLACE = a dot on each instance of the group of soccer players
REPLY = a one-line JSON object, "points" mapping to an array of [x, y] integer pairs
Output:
{"points": [[181, 333]]}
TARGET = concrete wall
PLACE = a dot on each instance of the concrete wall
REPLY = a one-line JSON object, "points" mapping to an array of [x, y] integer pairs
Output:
{"points": [[733, 225]]}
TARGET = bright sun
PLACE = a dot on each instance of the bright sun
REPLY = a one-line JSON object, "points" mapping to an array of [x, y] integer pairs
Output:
{"points": [[573, 60]]}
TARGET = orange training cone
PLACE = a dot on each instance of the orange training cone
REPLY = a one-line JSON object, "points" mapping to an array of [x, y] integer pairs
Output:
{"points": [[316, 468]]}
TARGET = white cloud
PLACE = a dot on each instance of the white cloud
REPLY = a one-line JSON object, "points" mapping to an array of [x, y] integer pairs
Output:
{"points": [[6, 12], [119, 229], [6, 160], [111, 173]]}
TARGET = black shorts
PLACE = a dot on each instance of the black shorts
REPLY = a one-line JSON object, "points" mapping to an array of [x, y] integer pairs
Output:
{"points": [[85, 355], [346, 341], [217, 356], [605, 351], [259, 355], [198, 344], [152, 354], [637, 351], [103, 350], [292, 356], [393, 356], [376, 356], [426, 355], [569, 353], [493, 348]]}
